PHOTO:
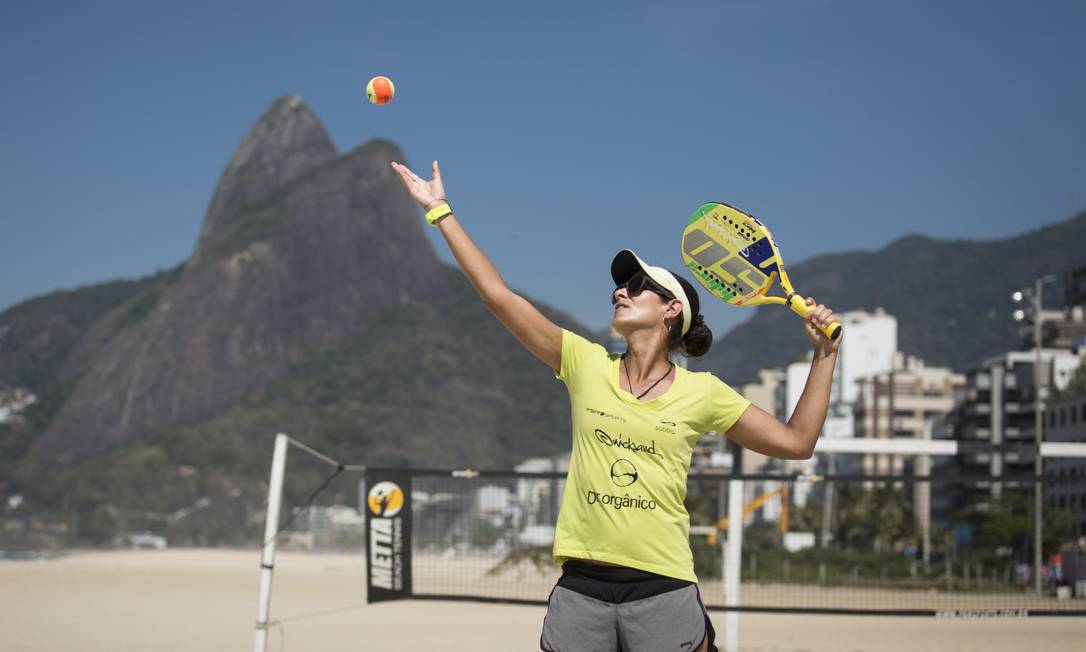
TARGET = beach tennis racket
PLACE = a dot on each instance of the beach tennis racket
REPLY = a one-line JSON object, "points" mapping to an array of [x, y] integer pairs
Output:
{"points": [[735, 257]]}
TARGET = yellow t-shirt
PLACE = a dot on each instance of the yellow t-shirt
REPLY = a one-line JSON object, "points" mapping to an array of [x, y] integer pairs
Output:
{"points": [[623, 501]]}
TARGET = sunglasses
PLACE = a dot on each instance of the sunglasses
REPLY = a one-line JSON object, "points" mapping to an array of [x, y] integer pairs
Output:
{"points": [[637, 284]]}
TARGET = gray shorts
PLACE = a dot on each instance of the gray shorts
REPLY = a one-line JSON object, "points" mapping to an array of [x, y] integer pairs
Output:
{"points": [[597, 608]]}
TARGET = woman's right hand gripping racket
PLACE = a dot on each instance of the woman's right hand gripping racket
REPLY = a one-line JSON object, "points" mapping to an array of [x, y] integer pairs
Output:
{"points": [[735, 258]]}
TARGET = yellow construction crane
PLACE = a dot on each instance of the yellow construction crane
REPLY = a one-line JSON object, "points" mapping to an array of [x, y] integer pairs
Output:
{"points": [[753, 506]]}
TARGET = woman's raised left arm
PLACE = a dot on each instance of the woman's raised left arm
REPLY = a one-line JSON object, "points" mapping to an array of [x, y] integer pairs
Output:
{"points": [[764, 433]]}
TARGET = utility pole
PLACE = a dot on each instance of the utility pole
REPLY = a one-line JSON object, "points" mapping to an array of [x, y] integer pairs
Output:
{"points": [[1038, 426], [1038, 423], [1038, 413]]}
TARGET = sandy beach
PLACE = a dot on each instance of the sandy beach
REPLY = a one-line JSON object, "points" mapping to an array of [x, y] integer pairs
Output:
{"points": [[195, 599]]}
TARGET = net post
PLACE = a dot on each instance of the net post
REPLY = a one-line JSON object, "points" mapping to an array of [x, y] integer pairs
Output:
{"points": [[733, 553], [267, 559]]}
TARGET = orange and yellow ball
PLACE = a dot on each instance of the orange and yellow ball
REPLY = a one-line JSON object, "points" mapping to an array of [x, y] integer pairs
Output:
{"points": [[380, 90]]}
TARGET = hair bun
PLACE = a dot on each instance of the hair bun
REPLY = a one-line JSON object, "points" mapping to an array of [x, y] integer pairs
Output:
{"points": [[698, 339]]}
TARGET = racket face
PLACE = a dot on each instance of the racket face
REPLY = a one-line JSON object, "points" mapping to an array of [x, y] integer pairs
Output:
{"points": [[732, 254]]}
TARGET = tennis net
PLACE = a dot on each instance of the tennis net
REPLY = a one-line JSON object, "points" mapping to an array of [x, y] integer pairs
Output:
{"points": [[951, 546]]}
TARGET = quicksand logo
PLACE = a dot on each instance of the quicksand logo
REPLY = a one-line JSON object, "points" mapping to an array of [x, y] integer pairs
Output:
{"points": [[628, 444], [724, 235]]}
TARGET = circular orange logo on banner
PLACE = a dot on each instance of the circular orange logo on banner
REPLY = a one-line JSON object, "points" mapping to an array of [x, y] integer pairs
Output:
{"points": [[385, 499]]}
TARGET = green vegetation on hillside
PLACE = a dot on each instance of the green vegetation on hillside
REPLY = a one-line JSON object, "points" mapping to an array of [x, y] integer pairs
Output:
{"points": [[39, 339], [422, 385]]}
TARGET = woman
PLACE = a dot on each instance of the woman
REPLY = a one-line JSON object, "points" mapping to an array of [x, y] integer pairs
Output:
{"points": [[622, 537]]}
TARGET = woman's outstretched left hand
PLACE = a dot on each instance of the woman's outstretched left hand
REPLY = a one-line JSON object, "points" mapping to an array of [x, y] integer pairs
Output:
{"points": [[427, 193], [819, 317]]}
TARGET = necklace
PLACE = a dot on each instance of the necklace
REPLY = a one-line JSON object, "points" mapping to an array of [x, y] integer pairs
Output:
{"points": [[630, 383]]}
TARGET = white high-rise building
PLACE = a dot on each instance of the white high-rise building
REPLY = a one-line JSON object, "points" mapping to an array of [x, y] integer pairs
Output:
{"points": [[868, 349]]}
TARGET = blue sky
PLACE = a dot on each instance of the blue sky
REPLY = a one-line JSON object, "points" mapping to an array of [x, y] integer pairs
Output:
{"points": [[566, 131]]}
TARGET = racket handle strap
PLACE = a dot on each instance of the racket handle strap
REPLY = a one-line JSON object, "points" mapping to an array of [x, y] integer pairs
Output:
{"points": [[799, 307]]}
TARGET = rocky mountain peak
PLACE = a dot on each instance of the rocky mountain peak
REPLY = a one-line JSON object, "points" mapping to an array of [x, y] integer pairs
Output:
{"points": [[299, 246], [287, 141]]}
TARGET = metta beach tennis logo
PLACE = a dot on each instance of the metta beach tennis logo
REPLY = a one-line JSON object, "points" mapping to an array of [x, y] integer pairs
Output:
{"points": [[385, 499], [386, 536]]}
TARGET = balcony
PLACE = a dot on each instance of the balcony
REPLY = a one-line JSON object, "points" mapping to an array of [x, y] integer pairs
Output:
{"points": [[1019, 434], [971, 436]]}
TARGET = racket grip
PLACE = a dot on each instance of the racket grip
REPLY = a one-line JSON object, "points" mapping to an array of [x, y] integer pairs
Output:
{"points": [[799, 306]]}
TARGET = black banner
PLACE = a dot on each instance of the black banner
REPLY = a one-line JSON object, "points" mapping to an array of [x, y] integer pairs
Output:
{"points": [[388, 535]]}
